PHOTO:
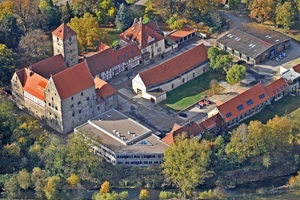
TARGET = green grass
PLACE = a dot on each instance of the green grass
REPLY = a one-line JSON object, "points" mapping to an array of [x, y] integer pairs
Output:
{"points": [[190, 92], [288, 105], [114, 34], [130, 1]]}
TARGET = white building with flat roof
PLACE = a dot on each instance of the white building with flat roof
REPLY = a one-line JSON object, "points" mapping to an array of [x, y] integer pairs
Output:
{"points": [[123, 141]]}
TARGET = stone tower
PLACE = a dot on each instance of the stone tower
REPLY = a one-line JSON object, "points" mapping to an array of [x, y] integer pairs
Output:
{"points": [[65, 43]]}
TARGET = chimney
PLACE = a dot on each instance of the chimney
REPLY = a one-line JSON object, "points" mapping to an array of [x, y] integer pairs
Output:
{"points": [[31, 73], [190, 123], [140, 20]]}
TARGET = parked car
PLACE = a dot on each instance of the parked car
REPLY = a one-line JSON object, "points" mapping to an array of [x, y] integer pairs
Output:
{"points": [[183, 115], [284, 54], [198, 106], [240, 62], [277, 59], [207, 102]]}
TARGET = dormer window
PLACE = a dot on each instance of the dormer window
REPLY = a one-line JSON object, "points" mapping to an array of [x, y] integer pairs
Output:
{"points": [[70, 39]]}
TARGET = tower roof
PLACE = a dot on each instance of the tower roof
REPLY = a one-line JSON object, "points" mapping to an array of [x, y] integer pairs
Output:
{"points": [[63, 31]]}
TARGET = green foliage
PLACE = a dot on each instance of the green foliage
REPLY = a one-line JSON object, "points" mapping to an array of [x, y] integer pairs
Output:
{"points": [[124, 195], [144, 195], [235, 74], [219, 142], [7, 62], [267, 161], [175, 22], [13, 149], [111, 196], [12, 189], [39, 180], [23, 178], [124, 18], [185, 161], [284, 15], [10, 32], [105, 188], [51, 12], [107, 11], [219, 59]]}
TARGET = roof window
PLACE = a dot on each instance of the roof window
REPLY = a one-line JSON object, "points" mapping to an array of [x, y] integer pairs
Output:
{"points": [[228, 114], [240, 107], [125, 55], [274, 91], [132, 51], [284, 85], [281, 87], [249, 102], [261, 96], [277, 90]]}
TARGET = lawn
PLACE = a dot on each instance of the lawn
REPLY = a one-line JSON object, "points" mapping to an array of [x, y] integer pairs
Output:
{"points": [[114, 34], [288, 105], [190, 92]]}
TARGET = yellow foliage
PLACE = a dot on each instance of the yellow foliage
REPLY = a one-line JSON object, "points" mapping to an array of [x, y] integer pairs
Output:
{"points": [[105, 188], [22, 140], [144, 194], [294, 181], [7, 8], [73, 180], [13, 149]]}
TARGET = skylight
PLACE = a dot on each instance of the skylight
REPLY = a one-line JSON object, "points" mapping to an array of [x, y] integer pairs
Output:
{"points": [[249, 102], [261, 96], [144, 142], [228, 114], [240, 107]]}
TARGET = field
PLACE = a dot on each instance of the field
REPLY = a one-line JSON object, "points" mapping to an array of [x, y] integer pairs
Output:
{"points": [[191, 92]]}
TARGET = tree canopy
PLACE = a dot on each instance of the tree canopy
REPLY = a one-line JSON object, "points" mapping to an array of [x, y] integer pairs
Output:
{"points": [[219, 59], [185, 162], [235, 74], [284, 15], [124, 18], [88, 31], [7, 64]]}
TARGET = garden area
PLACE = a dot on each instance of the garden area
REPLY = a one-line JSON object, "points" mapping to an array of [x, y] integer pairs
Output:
{"points": [[191, 92]]}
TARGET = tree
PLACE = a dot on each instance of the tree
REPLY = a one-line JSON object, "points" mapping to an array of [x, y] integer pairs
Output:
{"points": [[284, 15], [10, 33], [13, 149], [105, 188], [235, 74], [51, 189], [50, 12], [88, 31], [106, 11], [23, 178], [66, 13], [7, 64], [11, 188], [39, 179], [185, 161], [219, 59], [262, 10], [27, 11], [267, 161], [144, 194], [73, 180], [7, 8], [79, 7], [33, 47], [123, 18]]}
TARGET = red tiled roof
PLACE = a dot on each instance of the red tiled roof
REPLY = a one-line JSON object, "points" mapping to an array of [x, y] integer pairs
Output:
{"points": [[63, 31], [102, 47], [22, 76], [296, 68], [185, 31], [140, 33], [276, 87], [35, 84], [73, 80], [103, 89], [191, 128], [229, 110], [49, 66], [175, 66], [153, 25], [215, 121], [108, 58]]}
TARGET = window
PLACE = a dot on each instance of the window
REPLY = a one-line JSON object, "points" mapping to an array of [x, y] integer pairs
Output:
{"points": [[79, 111], [98, 108], [49, 104], [132, 51], [70, 51], [156, 44], [274, 91], [91, 106], [118, 57], [73, 114], [88, 98], [125, 55], [172, 85], [228, 114], [52, 98], [261, 96], [240, 107], [72, 98], [284, 85], [81, 93], [110, 98], [159, 50], [55, 107], [183, 80], [70, 39], [277, 90], [193, 75], [72, 106], [281, 87], [249, 102], [79, 102]]}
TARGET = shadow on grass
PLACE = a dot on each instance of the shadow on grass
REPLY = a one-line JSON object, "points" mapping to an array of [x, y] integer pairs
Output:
{"points": [[190, 92]]}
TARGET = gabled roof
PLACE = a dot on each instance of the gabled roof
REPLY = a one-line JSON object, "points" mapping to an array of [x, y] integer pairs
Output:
{"points": [[143, 34], [49, 66], [243, 102], [153, 25], [103, 89], [35, 84], [175, 66], [101, 46], [192, 129], [252, 39], [73, 80], [63, 31], [185, 31], [108, 58], [296, 68], [276, 87], [22, 76]]}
